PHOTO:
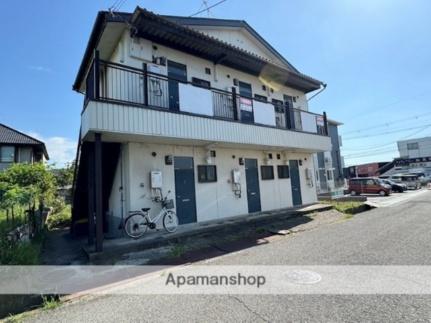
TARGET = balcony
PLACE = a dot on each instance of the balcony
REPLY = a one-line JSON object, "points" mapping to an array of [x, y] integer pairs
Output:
{"points": [[126, 100]]}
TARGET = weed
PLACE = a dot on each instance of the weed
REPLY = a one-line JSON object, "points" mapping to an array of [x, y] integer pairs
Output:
{"points": [[60, 219], [260, 230], [346, 207], [177, 250], [50, 302]]}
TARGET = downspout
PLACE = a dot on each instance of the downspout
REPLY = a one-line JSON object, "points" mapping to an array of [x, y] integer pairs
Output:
{"points": [[320, 91]]}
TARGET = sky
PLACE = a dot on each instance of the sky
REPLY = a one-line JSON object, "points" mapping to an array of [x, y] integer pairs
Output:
{"points": [[375, 56]]}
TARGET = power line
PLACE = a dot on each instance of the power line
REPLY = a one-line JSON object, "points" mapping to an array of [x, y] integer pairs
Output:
{"points": [[387, 123], [380, 151], [387, 132], [111, 8], [386, 144], [384, 106], [208, 8], [117, 5]]}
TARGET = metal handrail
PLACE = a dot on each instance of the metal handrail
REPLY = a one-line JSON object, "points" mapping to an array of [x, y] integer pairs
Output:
{"points": [[140, 94]]}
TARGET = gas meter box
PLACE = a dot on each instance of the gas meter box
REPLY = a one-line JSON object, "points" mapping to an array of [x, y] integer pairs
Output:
{"points": [[156, 179]]}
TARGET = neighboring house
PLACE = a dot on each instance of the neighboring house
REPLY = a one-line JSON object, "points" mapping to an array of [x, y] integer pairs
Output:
{"points": [[329, 164], [415, 148], [208, 104], [17, 147], [415, 157]]}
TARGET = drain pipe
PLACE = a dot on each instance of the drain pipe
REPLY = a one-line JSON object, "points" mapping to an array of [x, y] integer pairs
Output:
{"points": [[320, 91]]}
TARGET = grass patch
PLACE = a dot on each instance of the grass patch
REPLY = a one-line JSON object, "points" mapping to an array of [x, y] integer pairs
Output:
{"points": [[347, 207], [20, 253], [17, 318], [60, 219], [50, 302], [260, 230], [178, 250], [7, 223]]}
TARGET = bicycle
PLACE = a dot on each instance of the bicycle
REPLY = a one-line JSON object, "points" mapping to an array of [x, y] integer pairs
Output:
{"points": [[138, 222]]}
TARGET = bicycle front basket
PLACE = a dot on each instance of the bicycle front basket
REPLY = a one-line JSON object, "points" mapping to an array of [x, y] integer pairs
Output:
{"points": [[169, 204]]}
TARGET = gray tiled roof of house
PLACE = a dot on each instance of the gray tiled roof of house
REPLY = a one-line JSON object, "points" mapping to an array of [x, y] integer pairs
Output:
{"points": [[14, 137]]}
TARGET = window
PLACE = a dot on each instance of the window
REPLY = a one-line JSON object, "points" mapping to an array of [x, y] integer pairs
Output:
{"points": [[329, 175], [201, 83], [412, 146], [260, 98], [7, 154], [283, 171], [267, 172], [207, 173]]}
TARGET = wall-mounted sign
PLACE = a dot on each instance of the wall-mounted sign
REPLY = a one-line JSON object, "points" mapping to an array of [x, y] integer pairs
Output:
{"points": [[245, 104], [320, 121]]}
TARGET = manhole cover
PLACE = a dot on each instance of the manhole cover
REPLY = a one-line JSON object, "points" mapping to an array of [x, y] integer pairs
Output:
{"points": [[303, 277]]}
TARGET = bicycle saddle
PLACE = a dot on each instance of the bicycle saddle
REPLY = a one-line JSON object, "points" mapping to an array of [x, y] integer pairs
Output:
{"points": [[145, 209]]}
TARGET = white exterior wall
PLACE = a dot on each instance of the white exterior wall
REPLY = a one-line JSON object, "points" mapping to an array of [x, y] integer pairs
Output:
{"points": [[240, 38], [196, 68], [213, 200]]}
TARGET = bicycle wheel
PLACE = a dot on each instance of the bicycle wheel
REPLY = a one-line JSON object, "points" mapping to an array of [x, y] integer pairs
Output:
{"points": [[170, 221], [136, 225]]}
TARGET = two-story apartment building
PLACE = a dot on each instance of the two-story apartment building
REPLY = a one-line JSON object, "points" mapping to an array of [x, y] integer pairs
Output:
{"points": [[206, 106], [17, 147]]}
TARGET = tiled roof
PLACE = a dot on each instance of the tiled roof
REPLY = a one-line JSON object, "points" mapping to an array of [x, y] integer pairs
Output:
{"points": [[14, 137], [11, 136]]}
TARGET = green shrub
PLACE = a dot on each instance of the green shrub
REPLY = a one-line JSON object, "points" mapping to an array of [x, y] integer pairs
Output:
{"points": [[58, 205], [60, 219]]}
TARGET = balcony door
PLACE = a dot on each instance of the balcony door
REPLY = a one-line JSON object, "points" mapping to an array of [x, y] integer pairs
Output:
{"points": [[246, 102], [176, 73]]}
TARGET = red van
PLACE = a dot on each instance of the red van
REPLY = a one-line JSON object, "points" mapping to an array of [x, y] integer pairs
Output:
{"points": [[368, 185]]}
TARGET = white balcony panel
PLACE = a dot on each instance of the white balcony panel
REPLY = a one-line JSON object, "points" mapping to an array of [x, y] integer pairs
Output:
{"points": [[129, 120], [308, 122], [195, 99], [264, 113]]}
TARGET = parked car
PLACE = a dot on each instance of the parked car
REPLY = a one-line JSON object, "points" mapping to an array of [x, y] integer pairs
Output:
{"points": [[368, 185], [423, 178], [411, 181], [395, 187]]}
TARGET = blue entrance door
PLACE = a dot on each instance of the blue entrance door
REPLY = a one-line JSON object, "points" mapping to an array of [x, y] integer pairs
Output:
{"points": [[185, 199], [295, 181], [252, 182]]}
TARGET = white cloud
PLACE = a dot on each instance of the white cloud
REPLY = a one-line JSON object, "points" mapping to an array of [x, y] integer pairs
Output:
{"points": [[61, 150], [39, 68]]}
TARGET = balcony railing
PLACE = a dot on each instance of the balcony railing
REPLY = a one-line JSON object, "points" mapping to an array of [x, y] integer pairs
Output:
{"points": [[116, 83]]}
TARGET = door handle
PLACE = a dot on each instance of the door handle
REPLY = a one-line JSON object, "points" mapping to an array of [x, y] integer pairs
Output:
{"points": [[253, 193], [185, 200]]}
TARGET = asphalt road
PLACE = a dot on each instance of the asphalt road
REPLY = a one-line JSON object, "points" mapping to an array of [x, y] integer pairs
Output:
{"points": [[394, 235]]}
